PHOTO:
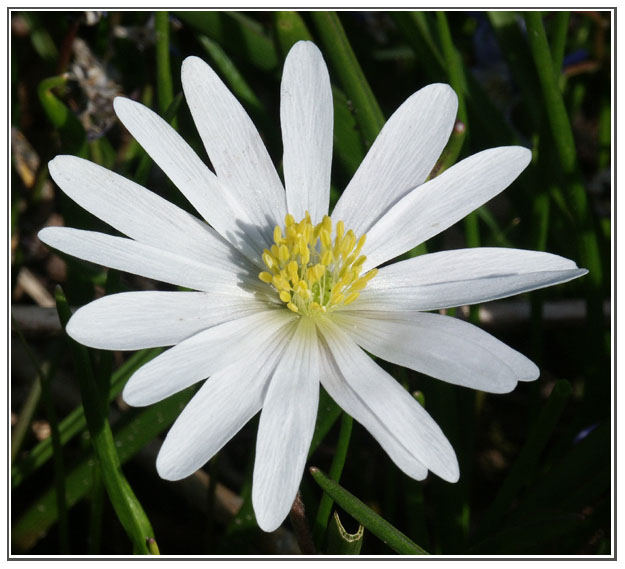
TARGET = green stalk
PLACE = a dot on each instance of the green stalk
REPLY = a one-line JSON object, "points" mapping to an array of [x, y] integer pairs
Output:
{"points": [[127, 507], [377, 525], [564, 142], [341, 55], [336, 469], [164, 82]]}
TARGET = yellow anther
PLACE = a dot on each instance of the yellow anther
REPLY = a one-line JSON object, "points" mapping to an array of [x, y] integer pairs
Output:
{"points": [[312, 274], [280, 283], [283, 254], [277, 234], [292, 268], [327, 257], [351, 297], [268, 259], [340, 230]]}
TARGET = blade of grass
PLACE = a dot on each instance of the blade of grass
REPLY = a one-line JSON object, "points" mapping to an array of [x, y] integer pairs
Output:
{"points": [[562, 134], [336, 469], [128, 509], [236, 33], [25, 417], [138, 428], [377, 525], [527, 460], [290, 28], [164, 82], [75, 422], [341, 55]]}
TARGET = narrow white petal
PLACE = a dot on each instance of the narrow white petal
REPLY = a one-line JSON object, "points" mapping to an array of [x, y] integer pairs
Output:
{"points": [[463, 276], [441, 202], [442, 347], [217, 412], [392, 404], [349, 400], [306, 115], [234, 146], [135, 257], [286, 427], [401, 157], [214, 202], [137, 212], [147, 319], [203, 355]]}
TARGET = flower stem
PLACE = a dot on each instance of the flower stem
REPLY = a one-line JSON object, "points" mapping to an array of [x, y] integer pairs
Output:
{"points": [[336, 468]]}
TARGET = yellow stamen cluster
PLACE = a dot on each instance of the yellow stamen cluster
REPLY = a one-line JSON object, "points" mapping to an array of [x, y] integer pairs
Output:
{"points": [[311, 273]]}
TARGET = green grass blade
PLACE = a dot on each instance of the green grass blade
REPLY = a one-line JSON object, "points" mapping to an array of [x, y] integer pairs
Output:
{"points": [[164, 82], [290, 28], [341, 56], [526, 462], [75, 422], [336, 468], [377, 525], [130, 436], [127, 507], [236, 33]]}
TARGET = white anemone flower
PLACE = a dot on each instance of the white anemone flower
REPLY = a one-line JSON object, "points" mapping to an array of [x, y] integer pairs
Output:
{"points": [[287, 297]]}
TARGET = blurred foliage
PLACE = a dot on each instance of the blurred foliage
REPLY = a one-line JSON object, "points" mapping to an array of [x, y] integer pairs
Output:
{"points": [[535, 464]]}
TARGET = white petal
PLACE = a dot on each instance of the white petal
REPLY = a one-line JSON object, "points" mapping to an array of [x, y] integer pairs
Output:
{"points": [[306, 115], [146, 319], [219, 410], [442, 347], [392, 404], [401, 157], [134, 257], [234, 147], [203, 355], [348, 399], [137, 212], [200, 186], [286, 427], [441, 202], [463, 276]]}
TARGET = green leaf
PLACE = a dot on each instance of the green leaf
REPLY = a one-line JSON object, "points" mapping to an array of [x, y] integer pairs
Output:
{"points": [[70, 128], [125, 503], [377, 525], [340, 54], [341, 542]]}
